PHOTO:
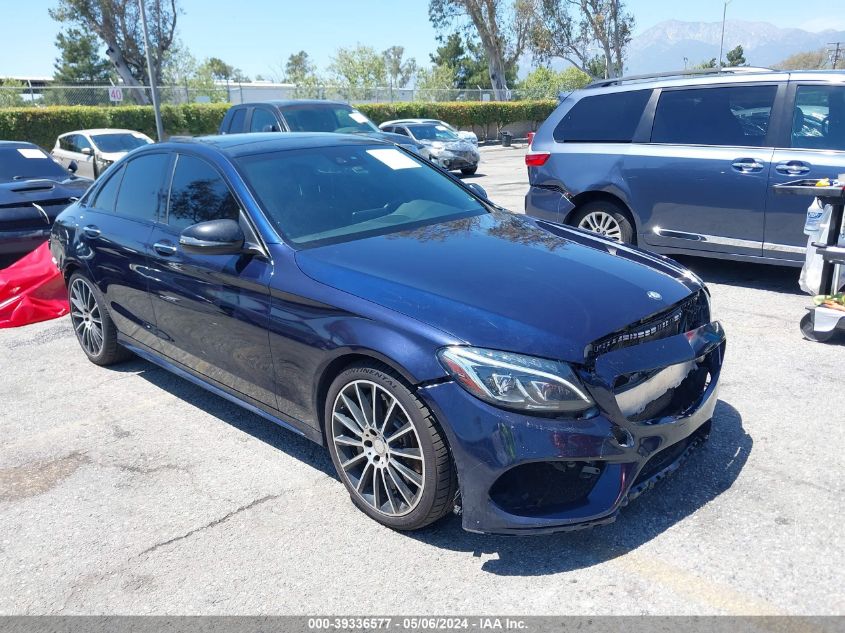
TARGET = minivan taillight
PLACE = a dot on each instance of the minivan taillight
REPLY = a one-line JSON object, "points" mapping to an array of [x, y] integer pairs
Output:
{"points": [[537, 159]]}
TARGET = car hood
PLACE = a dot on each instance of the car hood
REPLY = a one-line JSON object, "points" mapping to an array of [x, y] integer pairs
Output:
{"points": [[459, 145], [504, 281], [398, 139], [18, 200]]}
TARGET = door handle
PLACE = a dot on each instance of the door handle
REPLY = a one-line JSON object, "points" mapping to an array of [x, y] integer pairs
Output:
{"points": [[91, 231], [747, 165], [165, 248], [792, 168]]}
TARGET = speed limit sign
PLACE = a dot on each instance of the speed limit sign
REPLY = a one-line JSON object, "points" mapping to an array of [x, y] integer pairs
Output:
{"points": [[115, 94]]}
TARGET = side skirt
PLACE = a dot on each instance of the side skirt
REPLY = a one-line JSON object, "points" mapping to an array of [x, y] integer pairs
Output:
{"points": [[219, 390]]}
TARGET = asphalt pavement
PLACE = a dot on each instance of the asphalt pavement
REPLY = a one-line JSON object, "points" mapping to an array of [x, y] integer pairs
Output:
{"points": [[128, 490]]}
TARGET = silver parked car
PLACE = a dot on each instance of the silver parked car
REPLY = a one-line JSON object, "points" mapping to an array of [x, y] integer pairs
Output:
{"points": [[95, 150], [464, 134], [445, 147]]}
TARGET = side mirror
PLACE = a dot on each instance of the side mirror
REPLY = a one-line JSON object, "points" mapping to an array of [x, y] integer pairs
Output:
{"points": [[86, 150], [73, 166], [478, 189], [215, 237]]}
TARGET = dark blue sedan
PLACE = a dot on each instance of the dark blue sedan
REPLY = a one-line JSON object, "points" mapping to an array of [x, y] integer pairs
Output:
{"points": [[450, 355]]}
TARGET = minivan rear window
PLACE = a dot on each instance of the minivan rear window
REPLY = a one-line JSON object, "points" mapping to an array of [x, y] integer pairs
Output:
{"points": [[606, 118]]}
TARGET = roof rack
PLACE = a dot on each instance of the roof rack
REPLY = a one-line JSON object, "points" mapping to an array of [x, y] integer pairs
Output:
{"points": [[600, 83]]}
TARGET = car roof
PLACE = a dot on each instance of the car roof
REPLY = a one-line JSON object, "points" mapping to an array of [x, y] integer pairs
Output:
{"points": [[737, 75], [234, 145], [283, 103], [103, 130], [395, 121], [16, 145]]}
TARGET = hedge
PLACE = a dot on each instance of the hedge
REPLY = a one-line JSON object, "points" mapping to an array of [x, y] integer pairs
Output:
{"points": [[42, 125]]}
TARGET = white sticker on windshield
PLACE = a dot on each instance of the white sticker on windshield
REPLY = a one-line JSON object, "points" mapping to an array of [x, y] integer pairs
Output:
{"points": [[442, 128], [28, 152], [358, 117], [393, 158]]}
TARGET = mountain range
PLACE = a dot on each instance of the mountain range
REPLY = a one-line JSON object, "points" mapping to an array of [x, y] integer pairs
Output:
{"points": [[665, 45]]}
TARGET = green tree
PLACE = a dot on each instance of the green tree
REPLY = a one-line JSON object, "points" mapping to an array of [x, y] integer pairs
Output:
{"points": [[436, 83], [502, 28], [736, 57], [117, 23], [10, 93], [301, 71], [398, 69], [79, 59], [571, 29], [545, 83], [356, 71], [807, 60], [468, 62]]}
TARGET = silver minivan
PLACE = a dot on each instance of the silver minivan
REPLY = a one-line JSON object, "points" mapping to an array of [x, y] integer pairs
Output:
{"points": [[686, 164]]}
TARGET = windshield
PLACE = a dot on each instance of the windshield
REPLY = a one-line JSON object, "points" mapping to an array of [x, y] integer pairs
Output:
{"points": [[429, 132], [23, 163], [118, 142], [333, 194], [327, 118]]}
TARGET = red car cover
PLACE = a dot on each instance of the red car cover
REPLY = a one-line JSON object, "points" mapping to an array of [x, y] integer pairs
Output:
{"points": [[32, 290]]}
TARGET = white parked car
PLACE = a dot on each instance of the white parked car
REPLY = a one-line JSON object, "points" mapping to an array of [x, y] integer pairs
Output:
{"points": [[463, 134], [94, 150]]}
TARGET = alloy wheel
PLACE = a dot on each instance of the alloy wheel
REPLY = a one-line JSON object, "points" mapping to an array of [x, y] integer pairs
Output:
{"points": [[602, 223], [378, 448], [85, 316]]}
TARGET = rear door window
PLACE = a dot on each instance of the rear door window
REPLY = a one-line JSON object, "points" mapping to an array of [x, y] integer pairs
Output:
{"points": [[731, 116], [605, 118], [140, 192], [236, 124], [106, 197], [818, 119], [198, 194]]}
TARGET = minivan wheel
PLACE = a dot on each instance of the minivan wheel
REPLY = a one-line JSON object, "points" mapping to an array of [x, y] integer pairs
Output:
{"points": [[387, 449], [605, 218], [469, 171], [94, 329]]}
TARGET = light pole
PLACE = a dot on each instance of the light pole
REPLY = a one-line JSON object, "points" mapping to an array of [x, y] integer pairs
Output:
{"points": [[722, 42], [153, 89]]}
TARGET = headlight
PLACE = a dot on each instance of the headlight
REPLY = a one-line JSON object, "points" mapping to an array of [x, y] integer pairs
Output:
{"points": [[516, 381]]}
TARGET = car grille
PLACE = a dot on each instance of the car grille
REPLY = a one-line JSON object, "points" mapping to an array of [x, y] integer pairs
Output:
{"points": [[691, 313]]}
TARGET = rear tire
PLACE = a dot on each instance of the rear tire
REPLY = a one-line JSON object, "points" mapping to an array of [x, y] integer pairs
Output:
{"points": [[469, 171], [92, 324], [606, 218], [387, 448]]}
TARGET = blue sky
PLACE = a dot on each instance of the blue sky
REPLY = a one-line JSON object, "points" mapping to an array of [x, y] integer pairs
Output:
{"points": [[265, 32]]}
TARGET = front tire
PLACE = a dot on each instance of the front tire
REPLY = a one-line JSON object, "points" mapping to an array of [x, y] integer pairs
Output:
{"points": [[92, 324], [606, 218], [388, 449], [469, 171]]}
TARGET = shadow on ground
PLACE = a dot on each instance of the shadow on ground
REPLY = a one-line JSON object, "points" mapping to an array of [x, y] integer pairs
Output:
{"points": [[759, 276], [708, 472]]}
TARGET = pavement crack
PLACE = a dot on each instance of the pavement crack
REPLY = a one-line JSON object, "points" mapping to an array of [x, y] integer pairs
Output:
{"points": [[211, 524]]}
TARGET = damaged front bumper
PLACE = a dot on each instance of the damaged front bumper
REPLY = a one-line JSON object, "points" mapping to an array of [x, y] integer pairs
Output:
{"points": [[522, 474]]}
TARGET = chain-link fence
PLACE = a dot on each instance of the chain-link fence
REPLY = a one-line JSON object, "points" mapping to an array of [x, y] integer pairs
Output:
{"points": [[22, 94]]}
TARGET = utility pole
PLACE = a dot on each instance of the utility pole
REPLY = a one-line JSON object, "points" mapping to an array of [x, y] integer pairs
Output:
{"points": [[835, 52], [153, 88], [722, 42]]}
